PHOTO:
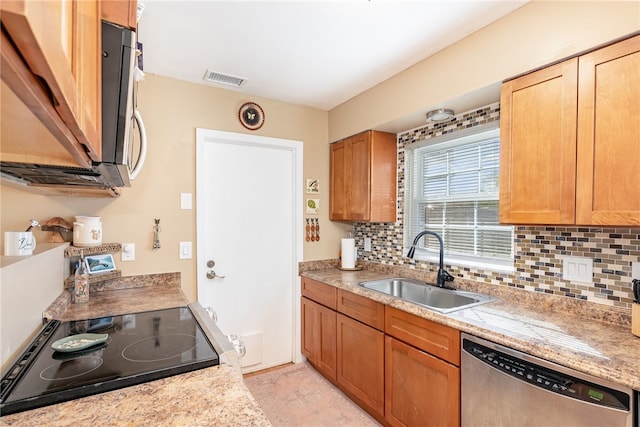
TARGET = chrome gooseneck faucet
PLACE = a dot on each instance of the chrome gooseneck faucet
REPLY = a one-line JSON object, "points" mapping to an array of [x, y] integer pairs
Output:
{"points": [[443, 275]]}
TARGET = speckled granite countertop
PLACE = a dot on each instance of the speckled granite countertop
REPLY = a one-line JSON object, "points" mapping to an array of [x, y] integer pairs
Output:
{"points": [[174, 401], [213, 396], [594, 340]]}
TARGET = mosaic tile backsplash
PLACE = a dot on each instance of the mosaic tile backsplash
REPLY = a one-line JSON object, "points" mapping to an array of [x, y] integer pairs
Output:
{"points": [[539, 250]]}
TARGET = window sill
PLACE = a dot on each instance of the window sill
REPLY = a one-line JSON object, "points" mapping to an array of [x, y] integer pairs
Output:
{"points": [[497, 266]]}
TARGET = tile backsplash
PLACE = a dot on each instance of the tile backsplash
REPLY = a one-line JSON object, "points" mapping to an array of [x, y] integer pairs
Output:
{"points": [[539, 250]]}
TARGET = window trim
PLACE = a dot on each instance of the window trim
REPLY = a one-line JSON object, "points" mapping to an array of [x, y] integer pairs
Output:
{"points": [[474, 134]]}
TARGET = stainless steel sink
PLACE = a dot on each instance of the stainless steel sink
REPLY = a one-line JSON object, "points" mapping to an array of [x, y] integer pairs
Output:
{"points": [[430, 296]]}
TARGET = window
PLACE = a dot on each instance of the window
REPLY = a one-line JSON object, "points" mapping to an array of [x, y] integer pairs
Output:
{"points": [[452, 189]]}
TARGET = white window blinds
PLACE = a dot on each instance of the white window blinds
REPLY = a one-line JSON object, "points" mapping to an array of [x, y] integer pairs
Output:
{"points": [[453, 190]]}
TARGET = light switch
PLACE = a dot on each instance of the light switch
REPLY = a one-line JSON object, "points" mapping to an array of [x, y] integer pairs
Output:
{"points": [[186, 201], [185, 250], [128, 252], [577, 269]]}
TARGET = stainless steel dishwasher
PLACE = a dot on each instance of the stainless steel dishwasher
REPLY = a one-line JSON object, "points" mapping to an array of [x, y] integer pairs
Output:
{"points": [[504, 387]]}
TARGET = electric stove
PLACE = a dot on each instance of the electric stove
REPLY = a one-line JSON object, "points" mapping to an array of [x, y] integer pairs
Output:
{"points": [[141, 347]]}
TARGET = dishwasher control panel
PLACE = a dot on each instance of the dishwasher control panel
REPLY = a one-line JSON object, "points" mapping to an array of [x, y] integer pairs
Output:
{"points": [[548, 379]]}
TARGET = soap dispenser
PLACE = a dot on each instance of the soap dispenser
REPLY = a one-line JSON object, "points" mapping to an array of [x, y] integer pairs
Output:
{"points": [[80, 293]]}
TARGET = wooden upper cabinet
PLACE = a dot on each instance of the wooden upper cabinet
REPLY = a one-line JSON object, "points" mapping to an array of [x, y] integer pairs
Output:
{"points": [[338, 198], [363, 178], [538, 146], [570, 137], [121, 12], [59, 44], [608, 182]]}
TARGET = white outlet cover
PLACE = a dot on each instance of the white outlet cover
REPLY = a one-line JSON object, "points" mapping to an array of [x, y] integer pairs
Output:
{"points": [[128, 252], [185, 250], [186, 201], [635, 270], [577, 269]]}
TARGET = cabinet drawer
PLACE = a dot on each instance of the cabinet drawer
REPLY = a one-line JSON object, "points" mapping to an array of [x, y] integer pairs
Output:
{"points": [[319, 292], [360, 308], [439, 340]]}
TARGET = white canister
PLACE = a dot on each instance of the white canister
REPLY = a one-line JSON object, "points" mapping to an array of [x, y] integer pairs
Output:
{"points": [[87, 231], [19, 243]]}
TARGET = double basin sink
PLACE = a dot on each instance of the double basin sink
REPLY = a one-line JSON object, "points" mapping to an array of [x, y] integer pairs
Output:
{"points": [[430, 296]]}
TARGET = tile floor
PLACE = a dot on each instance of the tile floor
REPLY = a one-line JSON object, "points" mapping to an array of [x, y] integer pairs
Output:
{"points": [[297, 395]]}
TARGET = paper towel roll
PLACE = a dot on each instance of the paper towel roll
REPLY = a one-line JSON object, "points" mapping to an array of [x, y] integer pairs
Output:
{"points": [[348, 253]]}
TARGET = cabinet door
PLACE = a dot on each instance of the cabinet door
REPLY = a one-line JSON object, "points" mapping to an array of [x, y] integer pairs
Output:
{"points": [[338, 175], [121, 12], [420, 389], [608, 181], [359, 178], [60, 42], [319, 337], [361, 364], [384, 166], [538, 146]]}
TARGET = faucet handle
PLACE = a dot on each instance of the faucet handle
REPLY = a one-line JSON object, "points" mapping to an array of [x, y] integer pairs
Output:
{"points": [[446, 277]]}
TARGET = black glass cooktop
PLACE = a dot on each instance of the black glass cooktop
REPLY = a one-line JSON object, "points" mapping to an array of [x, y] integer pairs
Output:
{"points": [[141, 347]]}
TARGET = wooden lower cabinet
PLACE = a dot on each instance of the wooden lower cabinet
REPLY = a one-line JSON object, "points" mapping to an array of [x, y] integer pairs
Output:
{"points": [[400, 368], [319, 337], [421, 390], [361, 364]]}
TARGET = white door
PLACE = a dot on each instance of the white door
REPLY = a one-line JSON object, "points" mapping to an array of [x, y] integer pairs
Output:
{"points": [[249, 214]]}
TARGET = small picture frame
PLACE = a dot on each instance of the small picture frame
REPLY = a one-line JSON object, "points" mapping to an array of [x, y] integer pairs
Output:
{"points": [[313, 186], [100, 263], [313, 206]]}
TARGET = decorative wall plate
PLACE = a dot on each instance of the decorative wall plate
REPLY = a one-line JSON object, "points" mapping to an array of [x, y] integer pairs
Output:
{"points": [[251, 115]]}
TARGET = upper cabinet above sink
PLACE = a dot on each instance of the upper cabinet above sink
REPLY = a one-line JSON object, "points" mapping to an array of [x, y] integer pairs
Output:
{"points": [[363, 178], [570, 141]]}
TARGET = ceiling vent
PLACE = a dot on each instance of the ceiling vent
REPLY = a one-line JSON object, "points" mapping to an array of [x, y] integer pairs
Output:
{"points": [[213, 77]]}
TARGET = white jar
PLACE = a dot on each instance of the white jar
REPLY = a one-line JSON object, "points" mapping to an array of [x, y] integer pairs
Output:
{"points": [[87, 231]]}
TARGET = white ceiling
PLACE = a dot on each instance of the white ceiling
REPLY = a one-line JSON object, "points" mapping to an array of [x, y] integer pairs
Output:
{"points": [[313, 53]]}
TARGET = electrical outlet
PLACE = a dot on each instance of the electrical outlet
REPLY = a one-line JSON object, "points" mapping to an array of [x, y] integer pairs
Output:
{"points": [[367, 244], [635, 270], [577, 269]]}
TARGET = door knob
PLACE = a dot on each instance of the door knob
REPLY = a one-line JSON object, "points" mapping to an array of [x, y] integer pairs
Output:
{"points": [[212, 275]]}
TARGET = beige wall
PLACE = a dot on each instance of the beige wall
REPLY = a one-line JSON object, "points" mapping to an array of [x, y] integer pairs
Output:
{"points": [[172, 110], [537, 33], [532, 36]]}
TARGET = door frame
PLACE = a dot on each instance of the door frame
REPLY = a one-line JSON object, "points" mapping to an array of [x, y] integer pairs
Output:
{"points": [[204, 136]]}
